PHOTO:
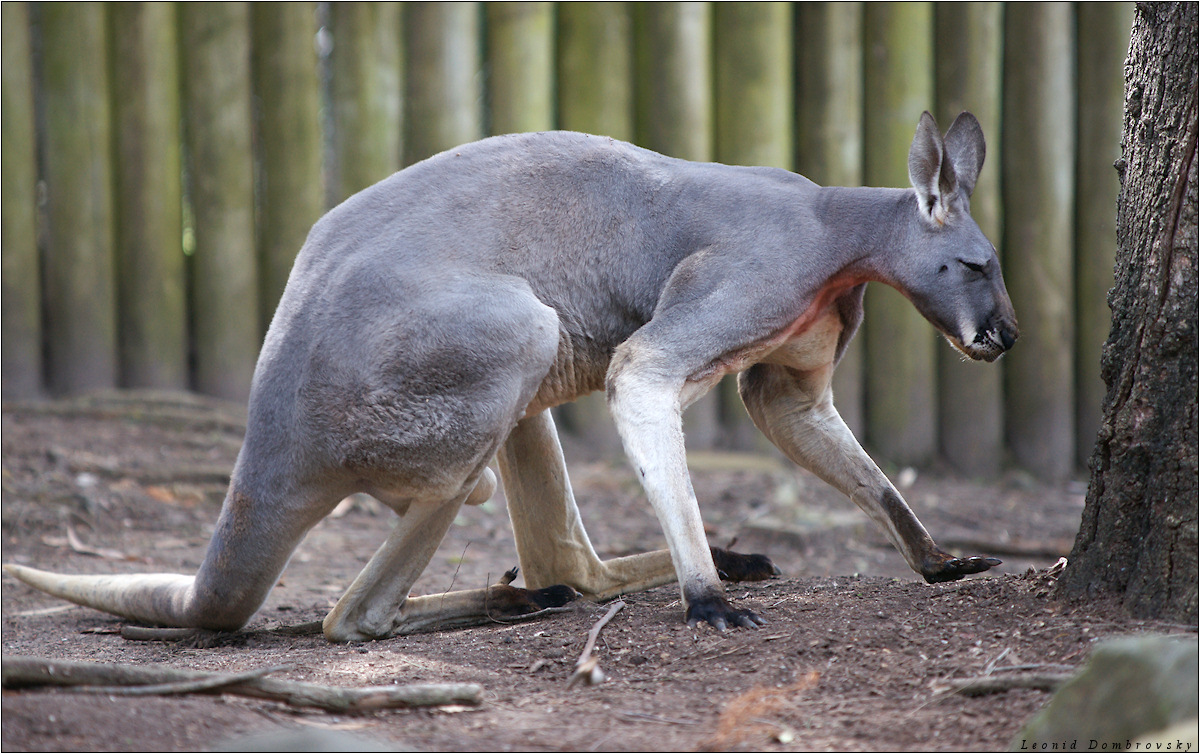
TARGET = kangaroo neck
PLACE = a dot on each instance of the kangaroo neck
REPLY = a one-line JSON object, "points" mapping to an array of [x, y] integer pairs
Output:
{"points": [[867, 228]]}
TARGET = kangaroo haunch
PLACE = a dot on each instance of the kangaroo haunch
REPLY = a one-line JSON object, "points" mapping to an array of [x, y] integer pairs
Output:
{"points": [[431, 321]]}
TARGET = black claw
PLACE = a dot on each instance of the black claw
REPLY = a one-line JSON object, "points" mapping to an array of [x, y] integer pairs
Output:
{"points": [[953, 569], [718, 613]]}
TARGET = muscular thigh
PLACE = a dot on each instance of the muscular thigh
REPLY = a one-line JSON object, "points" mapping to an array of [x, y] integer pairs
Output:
{"points": [[416, 392]]}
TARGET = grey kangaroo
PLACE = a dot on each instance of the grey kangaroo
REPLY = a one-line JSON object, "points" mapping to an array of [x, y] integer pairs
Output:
{"points": [[432, 320]]}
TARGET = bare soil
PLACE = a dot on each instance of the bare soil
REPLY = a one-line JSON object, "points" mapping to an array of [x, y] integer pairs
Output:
{"points": [[858, 653]]}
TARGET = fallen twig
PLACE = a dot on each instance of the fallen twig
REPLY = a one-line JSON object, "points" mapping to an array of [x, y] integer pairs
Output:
{"points": [[989, 684], [210, 682], [587, 667], [78, 546], [27, 672]]}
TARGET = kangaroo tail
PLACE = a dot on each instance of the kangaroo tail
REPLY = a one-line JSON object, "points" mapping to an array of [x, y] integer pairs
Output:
{"points": [[152, 598]]}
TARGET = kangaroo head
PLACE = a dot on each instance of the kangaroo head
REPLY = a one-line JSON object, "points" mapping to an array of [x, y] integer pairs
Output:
{"points": [[948, 268]]}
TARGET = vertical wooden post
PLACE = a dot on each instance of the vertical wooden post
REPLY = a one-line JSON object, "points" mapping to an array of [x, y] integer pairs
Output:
{"points": [[901, 361], [829, 140], [1039, 167], [216, 76], [674, 80], [21, 298], [520, 56], [595, 69], [149, 202], [1103, 30], [291, 197], [368, 88], [80, 288], [595, 95], [443, 64], [674, 101], [754, 126], [968, 63]]}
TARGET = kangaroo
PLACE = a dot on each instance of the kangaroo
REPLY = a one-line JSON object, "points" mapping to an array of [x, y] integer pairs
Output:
{"points": [[431, 320]]}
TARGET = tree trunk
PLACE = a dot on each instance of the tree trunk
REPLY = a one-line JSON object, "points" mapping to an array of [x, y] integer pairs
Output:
{"points": [[969, 68], [829, 140], [1138, 540], [1039, 160], [149, 195], [21, 297], [901, 360]]}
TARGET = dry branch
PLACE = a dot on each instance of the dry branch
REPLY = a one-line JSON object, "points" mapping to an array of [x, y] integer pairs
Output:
{"points": [[587, 668], [987, 684], [28, 672]]}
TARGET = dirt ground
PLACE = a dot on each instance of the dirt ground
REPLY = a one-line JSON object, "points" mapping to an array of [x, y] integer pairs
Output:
{"points": [[858, 653]]}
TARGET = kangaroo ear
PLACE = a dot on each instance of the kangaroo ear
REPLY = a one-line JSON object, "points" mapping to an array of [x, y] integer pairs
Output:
{"points": [[965, 150], [930, 171]]}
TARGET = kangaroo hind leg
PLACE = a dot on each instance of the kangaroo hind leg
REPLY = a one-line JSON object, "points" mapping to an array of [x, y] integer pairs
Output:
{"points": [[552, 543], [446, 406]]}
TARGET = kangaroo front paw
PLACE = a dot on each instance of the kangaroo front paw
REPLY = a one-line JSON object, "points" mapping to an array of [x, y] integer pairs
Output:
{"points": [[948, 568], [734, 566], [716, 611]]}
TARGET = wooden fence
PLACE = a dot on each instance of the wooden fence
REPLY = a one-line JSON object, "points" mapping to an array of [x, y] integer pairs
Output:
{"points": [[163, 163]]}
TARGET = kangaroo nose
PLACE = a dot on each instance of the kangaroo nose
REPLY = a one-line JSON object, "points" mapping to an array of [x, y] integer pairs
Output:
{"points": [[1008, 337]]}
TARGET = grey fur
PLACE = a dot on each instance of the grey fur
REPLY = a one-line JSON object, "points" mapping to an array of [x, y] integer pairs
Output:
{"points": [[434, 312]]}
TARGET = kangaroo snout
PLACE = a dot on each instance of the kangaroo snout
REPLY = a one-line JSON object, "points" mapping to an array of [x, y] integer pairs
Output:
{"points": [[991, 343]]}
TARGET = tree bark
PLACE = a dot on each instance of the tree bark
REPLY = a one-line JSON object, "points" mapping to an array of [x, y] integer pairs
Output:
{"points": [[1138, 540]]}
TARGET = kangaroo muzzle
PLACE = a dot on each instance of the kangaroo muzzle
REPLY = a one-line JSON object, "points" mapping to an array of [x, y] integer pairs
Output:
{"points": [[991, 343]]}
